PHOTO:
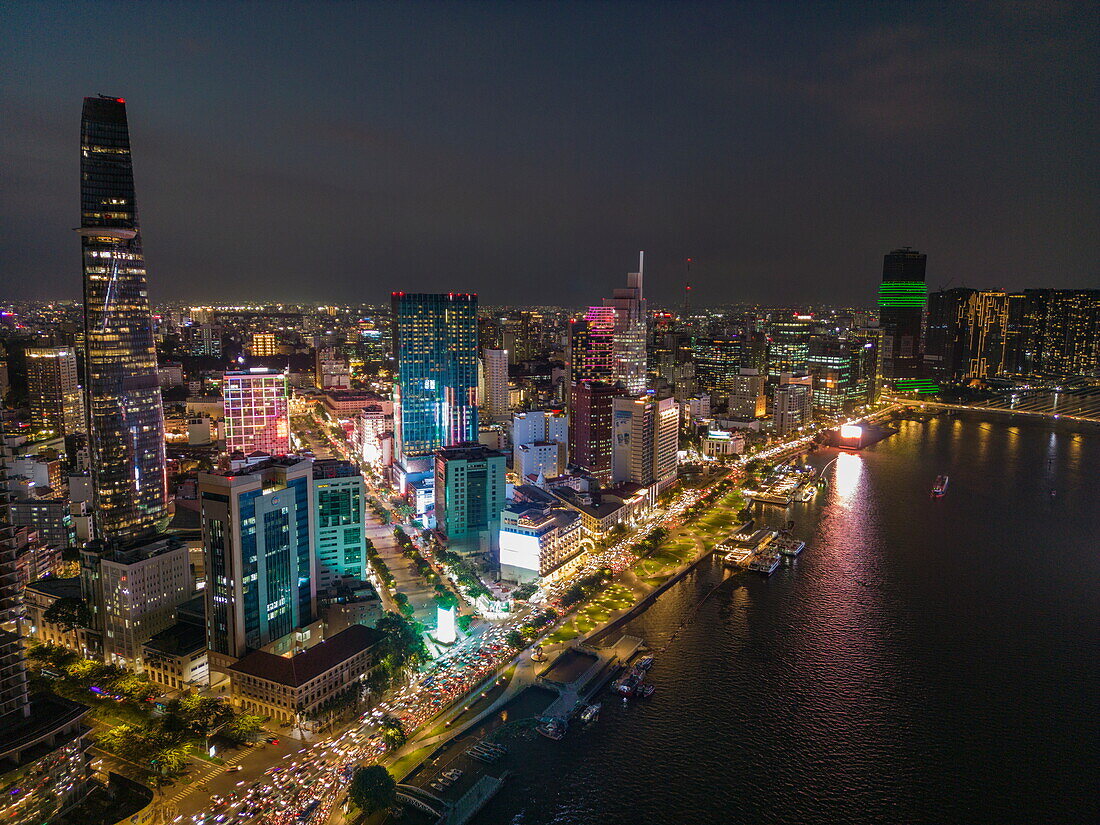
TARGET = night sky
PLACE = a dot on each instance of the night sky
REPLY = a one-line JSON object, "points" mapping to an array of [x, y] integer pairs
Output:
{"points": [[526, 152]]}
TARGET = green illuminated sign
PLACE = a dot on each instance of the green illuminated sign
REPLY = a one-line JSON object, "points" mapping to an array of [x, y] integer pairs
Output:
{"points": [[925, 386], [902, 294]]}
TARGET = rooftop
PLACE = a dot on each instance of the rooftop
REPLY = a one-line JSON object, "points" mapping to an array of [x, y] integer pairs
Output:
{"points": [[67, 588], [297, 670], [182, 637]]}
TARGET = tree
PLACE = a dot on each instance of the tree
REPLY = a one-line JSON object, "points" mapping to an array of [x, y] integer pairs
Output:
{"points": [[372, 789], [393, 733], [515, 639], [243, 728], [68, 613]]}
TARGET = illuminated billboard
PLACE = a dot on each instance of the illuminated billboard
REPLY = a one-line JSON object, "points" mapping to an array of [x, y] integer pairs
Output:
{"points": [[519, 550], [851, 432]]}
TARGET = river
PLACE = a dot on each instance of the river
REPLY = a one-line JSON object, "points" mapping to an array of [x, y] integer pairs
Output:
{"points": [[924, 660]]}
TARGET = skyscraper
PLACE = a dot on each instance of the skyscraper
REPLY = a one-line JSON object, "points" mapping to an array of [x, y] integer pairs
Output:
{"points": [[435, 394], [126, 420], [901, 305], [56, 398], [592, 346], [495, 402], [646, 439], [469, 495], [258, 533], [590, 433], [630, 332], [256, 416], [340, 498], [789, 345]]}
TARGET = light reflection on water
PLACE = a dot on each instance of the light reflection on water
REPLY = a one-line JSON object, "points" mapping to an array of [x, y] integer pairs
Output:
{"points": [[923, 660]]}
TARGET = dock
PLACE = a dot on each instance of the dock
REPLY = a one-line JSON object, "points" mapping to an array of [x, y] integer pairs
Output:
{"points": [[790, 485], [759, 551]]}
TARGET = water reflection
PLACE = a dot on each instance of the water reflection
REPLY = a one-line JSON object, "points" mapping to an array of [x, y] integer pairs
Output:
{"points": [[849, 468]]}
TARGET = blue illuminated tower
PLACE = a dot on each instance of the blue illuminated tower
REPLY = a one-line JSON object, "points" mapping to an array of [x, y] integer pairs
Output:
{"points": [[435, 393]]}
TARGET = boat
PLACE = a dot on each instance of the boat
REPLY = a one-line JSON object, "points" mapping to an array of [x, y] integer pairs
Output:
{"points": [[645, 691], [791, 547], [939, 489], [626, 685], [645, 663], [552, 729], [591, 713], [765, 563]]}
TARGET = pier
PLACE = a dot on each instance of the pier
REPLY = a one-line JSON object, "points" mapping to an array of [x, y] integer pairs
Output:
{"points": [[792, 483]]}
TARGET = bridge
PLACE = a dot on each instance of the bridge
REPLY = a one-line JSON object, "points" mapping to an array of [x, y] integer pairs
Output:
{"points": [[1076, 404]]}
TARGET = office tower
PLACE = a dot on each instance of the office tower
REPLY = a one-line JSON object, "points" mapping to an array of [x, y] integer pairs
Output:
{"points": [[646, 435], [747, 398], [132, 591], [495, 401], [331, 370], [518, 335], [469, 495], [788, 345], [946, 334], [264, 345], [56, 398], [256, 411], [590, 435], [261, 571], [126, 420], [340, 507], [988, 335], [435, 392], [901, 305], [1071, 332], [631, 316], [830, 364], [205, 341], [545, 433], [793, 406], [592, 346], [865, 358], [717, 361]]}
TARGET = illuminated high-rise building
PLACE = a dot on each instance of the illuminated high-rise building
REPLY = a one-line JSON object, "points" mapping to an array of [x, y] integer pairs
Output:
{"points": [[592, 346], [435, 391], [259, 534], [788, 345], [630, 355], [469, 496], [901, 307], [717, 361], [495, 400], [590, 430], [126, 419], [1071, 332], [646, 434], [56, 397], [256, 414], [264, 345]]}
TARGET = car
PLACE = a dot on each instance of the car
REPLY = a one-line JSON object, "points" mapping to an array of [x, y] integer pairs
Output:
{"points": [[233, 769]]}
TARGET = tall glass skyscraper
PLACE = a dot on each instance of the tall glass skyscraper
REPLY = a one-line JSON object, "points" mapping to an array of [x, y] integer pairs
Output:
{"points": [[435, 394], [901, 301], [126, 419]]}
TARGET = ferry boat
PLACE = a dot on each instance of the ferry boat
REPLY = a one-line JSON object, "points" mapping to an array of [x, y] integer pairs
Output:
{"points": [[790, 546], [645, 663], [939, 489], [591, 713], [552, 729], [765, 563]]}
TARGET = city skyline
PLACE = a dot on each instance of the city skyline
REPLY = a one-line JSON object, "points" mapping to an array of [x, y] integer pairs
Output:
{"points": [[782, 157]]}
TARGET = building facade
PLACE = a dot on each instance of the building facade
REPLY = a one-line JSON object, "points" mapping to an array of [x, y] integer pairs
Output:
{"points": [[495, 400], [901, 307], [132, 591], [339, 496], [256, 412], [793, 407], [126, 419], [469, 495], [435, 391], [54, 391], [257, 532], [646, 441], [590, 427]]}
